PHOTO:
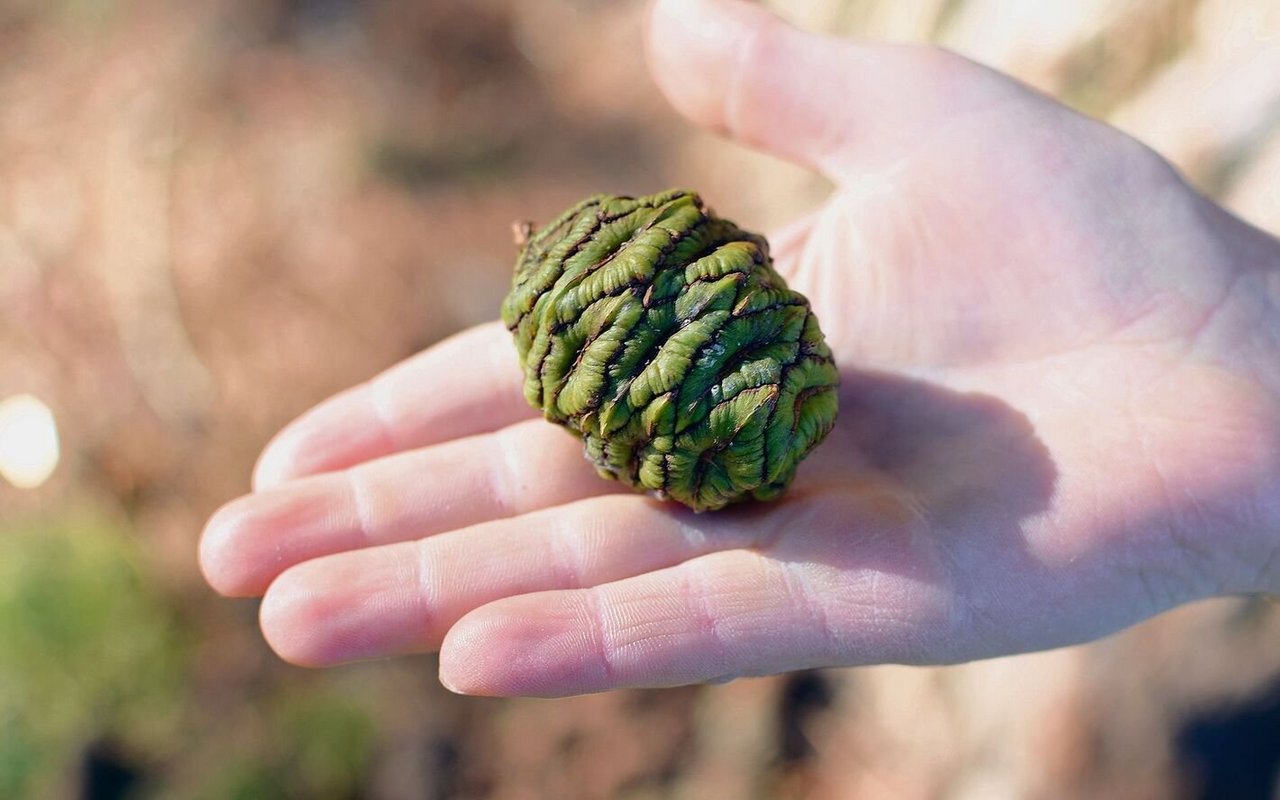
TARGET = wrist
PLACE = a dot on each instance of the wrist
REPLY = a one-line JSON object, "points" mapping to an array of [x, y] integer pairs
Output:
{"points": [[1263, 347], [1269, 492], [1240, 344]]}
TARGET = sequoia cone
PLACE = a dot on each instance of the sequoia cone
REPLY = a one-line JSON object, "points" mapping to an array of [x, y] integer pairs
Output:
{"points": [[661, 335]]}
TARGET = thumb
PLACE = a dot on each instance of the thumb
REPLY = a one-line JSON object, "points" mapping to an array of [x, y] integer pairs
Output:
{"points": [[830, 104]]}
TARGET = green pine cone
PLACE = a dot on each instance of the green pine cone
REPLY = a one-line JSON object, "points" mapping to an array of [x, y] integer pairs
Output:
{"points": [[661, 335]]}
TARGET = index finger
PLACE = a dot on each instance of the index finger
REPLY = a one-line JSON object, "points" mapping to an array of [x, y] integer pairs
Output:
{"points": [[465, 385]]}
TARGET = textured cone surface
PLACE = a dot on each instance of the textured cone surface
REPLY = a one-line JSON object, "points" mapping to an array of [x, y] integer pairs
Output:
{"points": [[662, 336]]}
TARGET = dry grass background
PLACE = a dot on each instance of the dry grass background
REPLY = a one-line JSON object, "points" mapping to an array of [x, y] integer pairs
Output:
{"points": [[213, 213]]}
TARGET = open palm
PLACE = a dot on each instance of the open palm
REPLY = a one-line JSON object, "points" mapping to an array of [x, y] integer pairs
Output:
{"points": [[1048, 426]]}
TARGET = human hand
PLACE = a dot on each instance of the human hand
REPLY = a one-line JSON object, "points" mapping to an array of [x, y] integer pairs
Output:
{"points": [[1059, 416]]}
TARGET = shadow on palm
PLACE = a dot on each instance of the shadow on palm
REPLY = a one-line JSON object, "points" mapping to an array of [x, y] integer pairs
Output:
{"points": [[918, 492], [955, 458]]}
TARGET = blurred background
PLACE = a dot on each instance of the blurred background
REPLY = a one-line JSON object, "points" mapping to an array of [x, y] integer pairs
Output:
{"points": [[214, 213]]}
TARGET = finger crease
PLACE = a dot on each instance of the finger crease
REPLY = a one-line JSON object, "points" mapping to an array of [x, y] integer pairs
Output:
{"points": [[695, 599], [362, 505], [378, 401], [694, 538], [803, 596], [603, 639], [504, 478], [566, 563], [426, 588]]}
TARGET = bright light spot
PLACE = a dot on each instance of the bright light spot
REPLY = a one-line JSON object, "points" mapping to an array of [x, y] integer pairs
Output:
{"points": [[28, 441]]}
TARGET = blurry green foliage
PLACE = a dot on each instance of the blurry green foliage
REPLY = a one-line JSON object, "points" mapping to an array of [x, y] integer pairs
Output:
{"points": [[93, 654], [318, 744], [88, 14], [88, 653]]}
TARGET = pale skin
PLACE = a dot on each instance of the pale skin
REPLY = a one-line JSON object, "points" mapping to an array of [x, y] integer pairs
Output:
{"points": [[1060, 416]]}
